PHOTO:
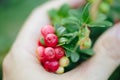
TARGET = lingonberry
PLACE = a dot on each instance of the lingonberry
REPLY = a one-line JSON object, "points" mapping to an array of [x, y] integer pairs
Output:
{"points": [[48, 29], [54, 66], [47, 66], [40, 54], [51, 40], [49, 53], [64, 61], [85, 43], [59, 52], [60, 70], [51, 66]]}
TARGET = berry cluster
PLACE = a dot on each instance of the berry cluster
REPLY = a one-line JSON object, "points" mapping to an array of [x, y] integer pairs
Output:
{"points": [[51, 56]]}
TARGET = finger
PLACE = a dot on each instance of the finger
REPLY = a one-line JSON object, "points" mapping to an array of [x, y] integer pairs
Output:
{"points": [[106, 59], [77, 3]]}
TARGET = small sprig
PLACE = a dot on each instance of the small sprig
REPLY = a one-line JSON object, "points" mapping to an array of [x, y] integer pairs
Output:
{"points": [[73, 26]]}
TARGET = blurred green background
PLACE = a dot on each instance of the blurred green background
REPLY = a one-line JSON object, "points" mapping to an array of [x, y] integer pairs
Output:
{"points": [[13, 14]]}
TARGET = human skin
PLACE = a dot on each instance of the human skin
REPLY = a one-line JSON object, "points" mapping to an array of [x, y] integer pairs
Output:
{"points": [[21, 62]]}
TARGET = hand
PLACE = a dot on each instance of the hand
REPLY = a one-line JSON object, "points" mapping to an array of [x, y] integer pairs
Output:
{"points": [[21, 62]]}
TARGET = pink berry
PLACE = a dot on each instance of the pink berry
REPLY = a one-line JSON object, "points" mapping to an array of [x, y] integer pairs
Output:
{"points": [[51, 66], [59, 52], [40, 54], [47, 66], [51, 40], [54, 66], [48, 29], [49, 53]]}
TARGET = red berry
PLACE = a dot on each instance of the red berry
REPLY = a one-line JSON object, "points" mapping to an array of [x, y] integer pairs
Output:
{"points": [[54, 66], [40, 54], [47, 66], [51, 66], [48, 29], [59, 52], [51, 40], [49, 53]]}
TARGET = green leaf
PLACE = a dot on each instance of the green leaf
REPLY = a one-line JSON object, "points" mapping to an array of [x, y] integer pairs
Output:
{"points": [[88, 52], [85, 13], [56, 20], [75, 13], [101, 17], [101, 24], [68, 53], [70, 20], [107, 23], [56, 26], [64, 9], [71, 34], [68, 49], [71, 53], [68, 35], [52, 13], [75, 57], [72, 28], [63, 40], [101, 21], [42, 41], [60, 31], [73, 37]]}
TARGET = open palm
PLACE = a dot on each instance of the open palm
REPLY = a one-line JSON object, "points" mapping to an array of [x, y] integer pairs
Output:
{"points": [[21, 62]]}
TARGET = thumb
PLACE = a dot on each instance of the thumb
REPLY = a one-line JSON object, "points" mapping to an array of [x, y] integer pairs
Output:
{"points": [[109, 44]]}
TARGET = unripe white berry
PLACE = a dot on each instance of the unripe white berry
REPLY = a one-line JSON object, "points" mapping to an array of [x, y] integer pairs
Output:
{"points": [[60, 70], [64, 61]]}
